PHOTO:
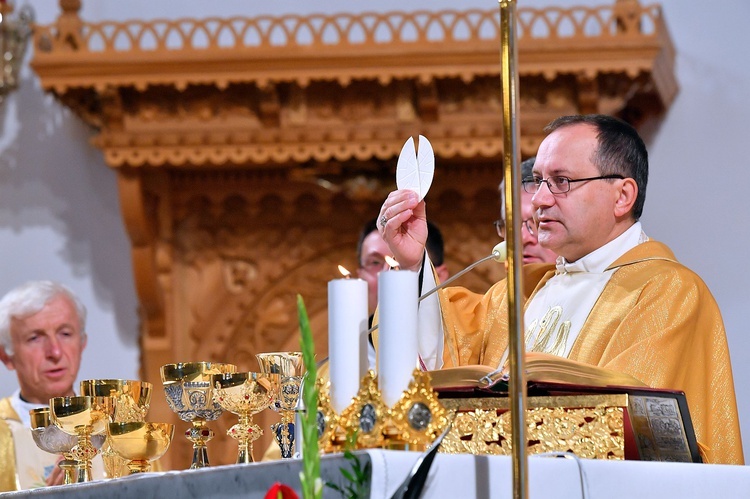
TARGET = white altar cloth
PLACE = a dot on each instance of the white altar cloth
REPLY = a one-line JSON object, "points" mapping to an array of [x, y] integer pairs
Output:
{"points": [[468, 476], [460, 476]]}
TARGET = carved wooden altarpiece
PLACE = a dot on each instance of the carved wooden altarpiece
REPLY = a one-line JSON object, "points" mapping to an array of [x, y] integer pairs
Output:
{"points": [[250, 150]]}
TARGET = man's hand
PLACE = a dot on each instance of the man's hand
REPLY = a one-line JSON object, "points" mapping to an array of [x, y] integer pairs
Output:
{"points": [[403, 224], [57, 476]]}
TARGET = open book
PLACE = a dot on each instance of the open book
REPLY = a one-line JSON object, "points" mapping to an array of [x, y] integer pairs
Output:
{"points": [[539, 367]]}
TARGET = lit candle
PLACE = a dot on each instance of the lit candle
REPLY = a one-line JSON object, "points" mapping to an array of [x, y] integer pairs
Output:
{"points": [[347, 338], [398, 295], [392, 262]]}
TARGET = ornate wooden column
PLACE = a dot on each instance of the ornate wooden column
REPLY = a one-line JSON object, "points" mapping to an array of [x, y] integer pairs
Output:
{"points": [[249, 151]]}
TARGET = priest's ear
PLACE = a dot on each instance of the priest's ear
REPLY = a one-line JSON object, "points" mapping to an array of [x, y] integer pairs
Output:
{"points": [[442, 272], [626, 194], [6, 359]]}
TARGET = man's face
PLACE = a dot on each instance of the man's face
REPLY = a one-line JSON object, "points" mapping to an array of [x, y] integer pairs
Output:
{"points": [[47, 349], [575, 223], [533, 252], [374, 251]]}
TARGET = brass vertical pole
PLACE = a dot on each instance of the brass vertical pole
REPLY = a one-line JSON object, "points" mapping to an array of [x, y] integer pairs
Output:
{"points": [[512, 174]]}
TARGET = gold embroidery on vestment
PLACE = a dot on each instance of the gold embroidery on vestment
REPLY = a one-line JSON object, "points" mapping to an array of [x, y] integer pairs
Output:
{"points": [[550, 338]]}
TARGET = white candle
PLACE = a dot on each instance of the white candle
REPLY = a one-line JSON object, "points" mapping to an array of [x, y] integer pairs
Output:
{"points": [[398, 295], [347, 339]]}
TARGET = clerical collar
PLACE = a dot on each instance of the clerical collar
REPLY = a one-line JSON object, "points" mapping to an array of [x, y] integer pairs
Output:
{"points": [[598, 260], [23, 407]]}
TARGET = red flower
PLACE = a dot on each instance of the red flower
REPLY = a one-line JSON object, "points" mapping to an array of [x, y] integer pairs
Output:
{"points": [[281, 491]]}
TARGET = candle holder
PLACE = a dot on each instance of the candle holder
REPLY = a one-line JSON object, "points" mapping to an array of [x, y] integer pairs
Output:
{"points": [[367, 415], [82, 417], [412, 423], [139, 443], [245, 394], [190, 394], [132, 400], [290, 367]]}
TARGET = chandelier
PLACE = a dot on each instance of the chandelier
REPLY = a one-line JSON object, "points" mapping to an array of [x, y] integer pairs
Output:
{"points": [[14, 36]]}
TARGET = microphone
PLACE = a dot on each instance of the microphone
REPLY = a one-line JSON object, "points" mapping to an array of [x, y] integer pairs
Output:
{"points": [[499, 254]]}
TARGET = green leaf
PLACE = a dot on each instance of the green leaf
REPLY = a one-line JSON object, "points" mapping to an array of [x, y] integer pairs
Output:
{"points": [[312, 486]]}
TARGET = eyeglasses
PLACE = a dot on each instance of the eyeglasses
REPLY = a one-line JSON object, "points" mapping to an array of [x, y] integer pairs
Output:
{"points": [[374, 264], [558, 184], [529, 223]]}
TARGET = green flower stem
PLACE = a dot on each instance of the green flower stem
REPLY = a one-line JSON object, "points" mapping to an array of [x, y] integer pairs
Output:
{"points": [[310, 475]]}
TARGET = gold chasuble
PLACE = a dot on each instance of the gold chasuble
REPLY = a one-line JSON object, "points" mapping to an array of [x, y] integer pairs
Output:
{"points": [[8, 480], [655, 320]]}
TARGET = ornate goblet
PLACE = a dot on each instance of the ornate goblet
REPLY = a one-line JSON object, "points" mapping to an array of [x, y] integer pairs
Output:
{"points": [[291, 369], [132, 399], [245, 394], [83, 417], [190, 394], [52, 439], [140, 443]]}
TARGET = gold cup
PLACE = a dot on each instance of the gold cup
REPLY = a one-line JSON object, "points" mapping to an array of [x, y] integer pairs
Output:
{"points": [[132, 399], [245, 394], [291, 369], [139, 443], [82, 417], [189, 391], [52, 439]]}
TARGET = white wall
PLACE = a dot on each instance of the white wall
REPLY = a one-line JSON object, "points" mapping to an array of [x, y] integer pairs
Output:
{"points": [[59, 213]]}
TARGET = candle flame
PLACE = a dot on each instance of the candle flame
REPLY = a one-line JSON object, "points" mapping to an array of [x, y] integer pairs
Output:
{"points": [[344, 272], [392, 263]]}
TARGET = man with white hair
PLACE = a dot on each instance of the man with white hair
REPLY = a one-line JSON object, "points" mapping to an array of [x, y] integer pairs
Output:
{"points": [[42, 337]]}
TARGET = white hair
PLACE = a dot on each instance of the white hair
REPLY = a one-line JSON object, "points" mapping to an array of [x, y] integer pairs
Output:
{"points": [[30, 298]]}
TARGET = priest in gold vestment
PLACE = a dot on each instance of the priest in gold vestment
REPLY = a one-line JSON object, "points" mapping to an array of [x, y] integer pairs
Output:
{"points": [[42, 337], [614, 299]]}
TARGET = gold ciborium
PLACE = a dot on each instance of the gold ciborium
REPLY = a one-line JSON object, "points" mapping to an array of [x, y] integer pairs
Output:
{"points": [[291, 369], [245, 394], [140, 443], [82, 417], [190, 394], [52, 439], [132, 399]]}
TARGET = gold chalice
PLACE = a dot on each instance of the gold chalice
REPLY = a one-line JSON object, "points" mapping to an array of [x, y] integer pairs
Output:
{"points": [[291, 369], [245, 394], [190, 394], [82, 417], [132, 399], [52, 439], [140, 443]]}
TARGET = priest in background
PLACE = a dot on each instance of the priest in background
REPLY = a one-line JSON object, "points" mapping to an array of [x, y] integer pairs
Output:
{"points": [[615, 298], [42, 337]]}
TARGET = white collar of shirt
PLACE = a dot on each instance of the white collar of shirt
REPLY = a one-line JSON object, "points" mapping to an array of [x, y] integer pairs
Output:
{"points": [[598, 260], [22, 407]]}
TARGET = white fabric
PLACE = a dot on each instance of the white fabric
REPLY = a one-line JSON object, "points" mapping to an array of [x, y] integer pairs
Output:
{"points": [[573, 478], [22, 407], [556, 314], [430, 345]]}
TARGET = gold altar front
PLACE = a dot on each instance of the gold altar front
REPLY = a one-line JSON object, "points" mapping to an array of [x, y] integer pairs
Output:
{"points": [[600, 426]]}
